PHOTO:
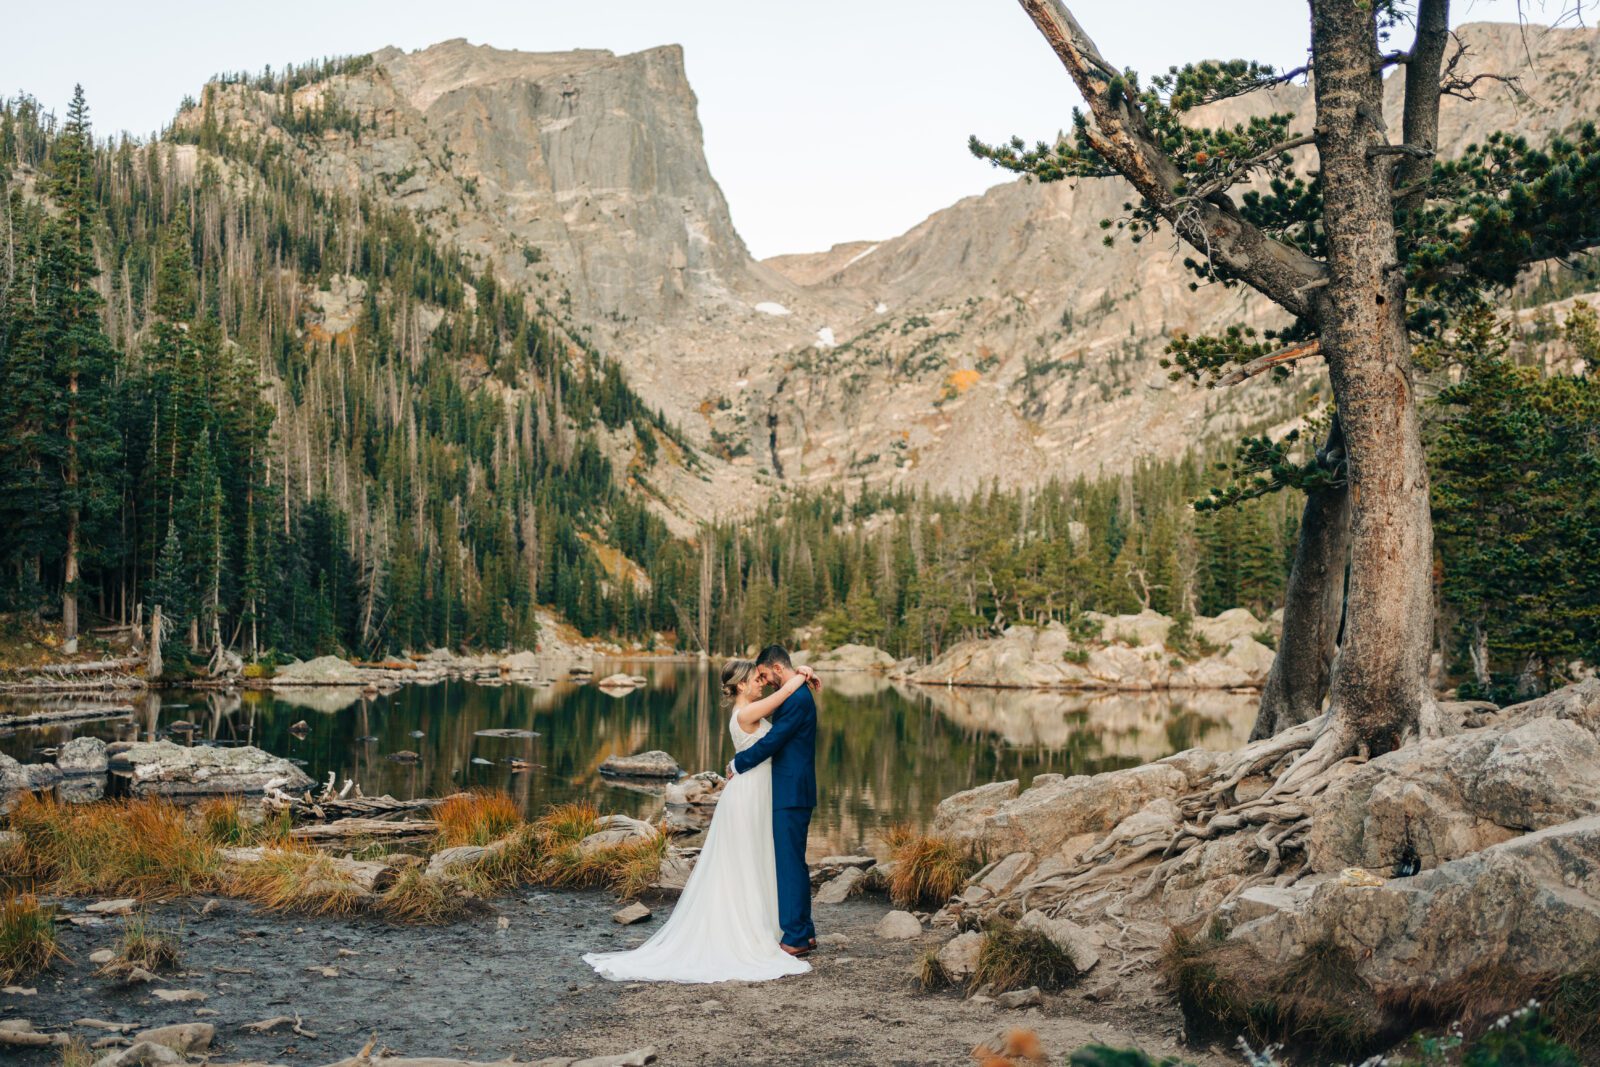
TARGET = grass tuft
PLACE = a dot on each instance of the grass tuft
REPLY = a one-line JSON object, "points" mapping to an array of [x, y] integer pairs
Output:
{"points": [[477, 818], [295, 877], [77, 1053], [928, 871], [931, 975], [1013, 958], [420, 899], [142, 945], [27, 937], [1015, 1046], [565, 824], [223, 822]]}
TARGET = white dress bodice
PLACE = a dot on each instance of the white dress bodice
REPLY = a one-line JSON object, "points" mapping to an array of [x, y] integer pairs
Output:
{"points": [[742, 740]]}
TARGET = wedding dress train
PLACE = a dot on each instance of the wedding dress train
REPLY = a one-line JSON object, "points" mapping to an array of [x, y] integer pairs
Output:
{"points": [[725, 927]]}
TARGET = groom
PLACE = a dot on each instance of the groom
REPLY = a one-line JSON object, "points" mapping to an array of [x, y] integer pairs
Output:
{"points": [[791, 744]]}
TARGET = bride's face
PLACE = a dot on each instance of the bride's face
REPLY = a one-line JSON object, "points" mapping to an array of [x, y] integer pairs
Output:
{"points": [[751, 687]]}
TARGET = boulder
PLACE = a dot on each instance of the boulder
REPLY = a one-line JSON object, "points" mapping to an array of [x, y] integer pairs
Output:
{"points": [[853, 658], [83, 755], [959, 956], [840, 887], [15, 777], [615, 830], [899, 926], [323, 670], [676, 866], [450, 860], [703, 789], [618, 681], [961, 815], [1146, 628], [1053, 810], [1079, 945], [1449, 797], [1222, 630], [1531, 905], [653, 764], [161, 767]]}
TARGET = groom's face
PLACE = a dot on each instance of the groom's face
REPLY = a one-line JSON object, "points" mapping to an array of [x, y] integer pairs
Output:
{"points": [[769, 676]]}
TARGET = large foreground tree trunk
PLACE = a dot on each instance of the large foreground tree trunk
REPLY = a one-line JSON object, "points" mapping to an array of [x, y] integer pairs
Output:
{"points": [[1380, 693], [1312, 607]]}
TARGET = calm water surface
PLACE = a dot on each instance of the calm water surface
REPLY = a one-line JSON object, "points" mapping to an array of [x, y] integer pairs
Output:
{"points": [[886, 752]]}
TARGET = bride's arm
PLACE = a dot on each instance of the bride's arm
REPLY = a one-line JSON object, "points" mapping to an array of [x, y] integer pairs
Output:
{"points": [[757, 710]]}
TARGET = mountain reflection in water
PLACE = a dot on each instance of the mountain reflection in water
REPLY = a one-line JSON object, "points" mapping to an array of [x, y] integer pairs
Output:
{"points": [[886, 752]]}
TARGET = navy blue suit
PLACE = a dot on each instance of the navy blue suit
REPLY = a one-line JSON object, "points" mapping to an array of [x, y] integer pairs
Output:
{"points": [[791, 744]]}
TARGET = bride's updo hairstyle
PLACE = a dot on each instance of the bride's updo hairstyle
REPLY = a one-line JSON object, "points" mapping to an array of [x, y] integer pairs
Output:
{"points": [[735, 673]]}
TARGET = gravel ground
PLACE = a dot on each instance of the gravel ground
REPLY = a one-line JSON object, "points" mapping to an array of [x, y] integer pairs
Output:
{"points": [[510, 983]]}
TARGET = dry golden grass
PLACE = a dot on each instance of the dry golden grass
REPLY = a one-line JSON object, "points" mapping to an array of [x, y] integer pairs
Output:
{"points": [[565, 824], [77, 1053], [222, 820], [476, 818], [294, 877], [928, 871], [27, 937], [140, 848], [1013, 958]]}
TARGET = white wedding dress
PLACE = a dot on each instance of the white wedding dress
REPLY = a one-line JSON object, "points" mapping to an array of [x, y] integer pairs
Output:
{"points": [[725, 927]]}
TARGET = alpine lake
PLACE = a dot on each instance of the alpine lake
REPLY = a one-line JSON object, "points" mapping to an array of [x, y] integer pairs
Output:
{"points": [[887, 752]]}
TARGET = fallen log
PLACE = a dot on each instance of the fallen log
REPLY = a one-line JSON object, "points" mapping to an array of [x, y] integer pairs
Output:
{"points": [[93, 667], [115, 711], [385, 664], [344, 829], [371, 875]]}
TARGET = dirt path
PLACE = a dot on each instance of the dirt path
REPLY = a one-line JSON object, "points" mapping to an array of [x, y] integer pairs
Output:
{"points": [[483, 990]]}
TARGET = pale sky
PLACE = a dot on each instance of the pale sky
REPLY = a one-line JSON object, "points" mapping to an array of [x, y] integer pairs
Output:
{"points": [[825, 120]]}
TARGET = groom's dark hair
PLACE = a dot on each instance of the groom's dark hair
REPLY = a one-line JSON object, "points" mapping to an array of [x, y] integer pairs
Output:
{"points": [[775, 656]]}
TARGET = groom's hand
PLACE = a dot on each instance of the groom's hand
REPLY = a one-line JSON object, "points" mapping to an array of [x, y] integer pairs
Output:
{"points": [[732, 770]]}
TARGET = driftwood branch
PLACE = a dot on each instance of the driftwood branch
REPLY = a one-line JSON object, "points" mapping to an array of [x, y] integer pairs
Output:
{"points": [[1261, 364]]}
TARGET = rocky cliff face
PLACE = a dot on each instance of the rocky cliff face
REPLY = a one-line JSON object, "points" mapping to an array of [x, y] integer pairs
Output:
{"points": [[999, 340]]}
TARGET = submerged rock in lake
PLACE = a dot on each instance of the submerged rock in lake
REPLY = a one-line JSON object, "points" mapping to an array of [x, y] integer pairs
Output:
{"points": [[653, 764], [161, 767]]}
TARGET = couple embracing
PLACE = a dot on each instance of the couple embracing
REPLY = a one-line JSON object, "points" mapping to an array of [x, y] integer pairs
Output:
{"points": [[745, 913]]}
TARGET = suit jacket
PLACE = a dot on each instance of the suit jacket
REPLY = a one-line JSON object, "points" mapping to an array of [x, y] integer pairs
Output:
{"points": [[791, 744]]}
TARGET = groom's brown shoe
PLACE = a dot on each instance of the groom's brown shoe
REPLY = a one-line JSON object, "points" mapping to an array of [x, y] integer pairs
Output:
{"points": [[795, 950]]}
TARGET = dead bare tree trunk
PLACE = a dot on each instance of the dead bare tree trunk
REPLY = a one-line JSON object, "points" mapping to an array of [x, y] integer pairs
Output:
{"points": [[1313, 604], [153, 665]]}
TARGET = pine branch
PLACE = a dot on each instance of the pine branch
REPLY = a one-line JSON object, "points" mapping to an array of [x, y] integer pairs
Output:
{"points": [[1269, 361], [1120, 136]]}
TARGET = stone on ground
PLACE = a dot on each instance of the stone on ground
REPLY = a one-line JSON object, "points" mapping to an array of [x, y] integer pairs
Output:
{"points": [[1079, 945], [633, 913], [1021, 998], [840, 888], [959, 956], [899, 926]]}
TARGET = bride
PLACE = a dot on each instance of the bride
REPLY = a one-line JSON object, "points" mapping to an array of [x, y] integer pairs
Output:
{"points": [[725, 927]]}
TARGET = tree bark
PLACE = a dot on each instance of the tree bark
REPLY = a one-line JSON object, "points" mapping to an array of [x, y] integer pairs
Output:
{"points": [[1380, 693], [1312, 607]]}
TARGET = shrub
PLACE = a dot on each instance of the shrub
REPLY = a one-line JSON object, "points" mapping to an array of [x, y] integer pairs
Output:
{"points": [[27, 937], [1014, 958], [1318, 1001]]}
